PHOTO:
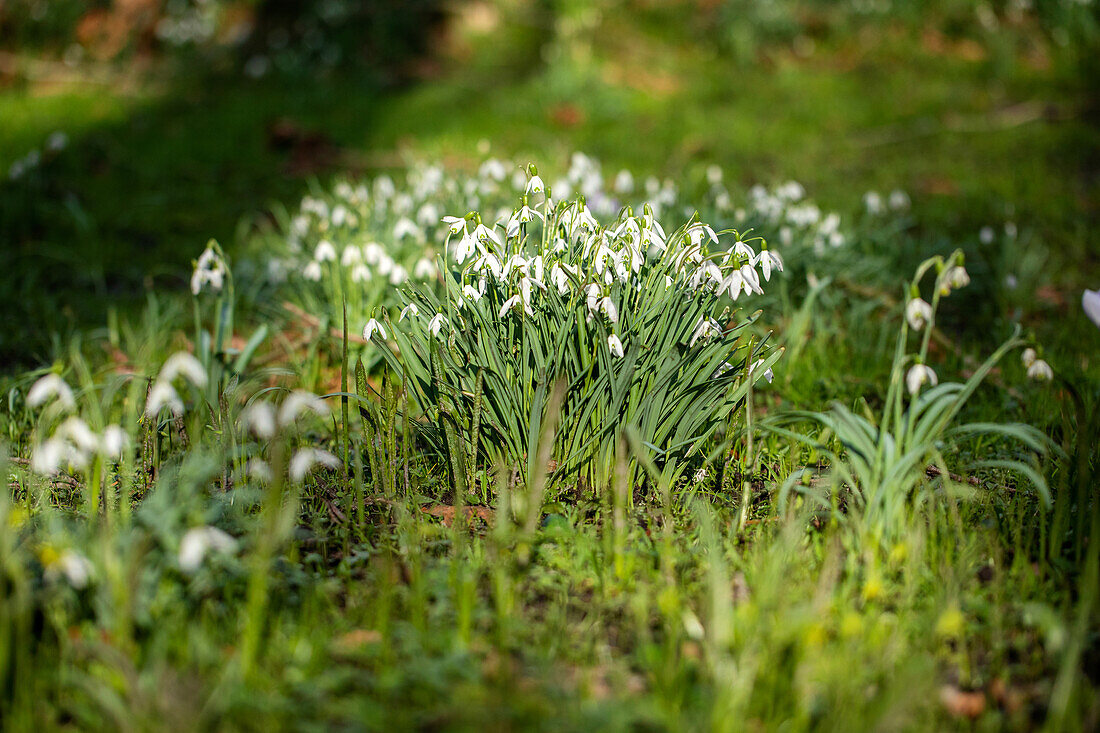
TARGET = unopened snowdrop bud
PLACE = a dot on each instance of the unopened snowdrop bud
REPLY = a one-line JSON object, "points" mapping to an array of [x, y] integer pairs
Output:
{"points": [[199, 541], [918, 313], [1040, 371], [1090, 303], [615, 346], [1028, 357], [49, 387], [306, 458], [919, 375], [325, 252]]}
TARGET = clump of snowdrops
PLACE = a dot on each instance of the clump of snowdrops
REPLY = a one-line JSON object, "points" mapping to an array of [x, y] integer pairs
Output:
{"points": [[627, 325]]}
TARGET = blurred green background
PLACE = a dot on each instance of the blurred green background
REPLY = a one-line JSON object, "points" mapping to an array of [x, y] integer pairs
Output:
{"points": [[134, 130]]}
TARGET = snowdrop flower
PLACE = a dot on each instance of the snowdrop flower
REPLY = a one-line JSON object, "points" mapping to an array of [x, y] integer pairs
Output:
{"points": [[472, 293], [732, 283], [49, 456], [398, 275], [751, 280], [198, 541], [986, 235], [360, 273], [352, 255], [71, 565], [700, 476], [161, 395], [1090, 303], [956, 276], [259, 417], [767, 260], [372, 326], [436, 324], [49, 387], [306, 458], [493, 169], [624, 182], [714, 175], [183, 364], [424, 269], [607, 307], [210, 270], [410, 308], [325, 252], [113, 442], [768, 374], [405, 227], [312, 271], [615, 345], [1040, 371], [57, 141], [918, 375], [300, 401], [482, 233], [705, 328], [509, 304], [373, 253], [873, 203], [696, 232], [535, 185], [899, 200], [1029, 356], [559, 279], [918, 313], [258, 469], [455, 224]]}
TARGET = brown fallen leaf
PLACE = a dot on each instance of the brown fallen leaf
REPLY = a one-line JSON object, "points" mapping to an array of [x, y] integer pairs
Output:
{"points": [[962, 704], [353, 640], [446, 513]]}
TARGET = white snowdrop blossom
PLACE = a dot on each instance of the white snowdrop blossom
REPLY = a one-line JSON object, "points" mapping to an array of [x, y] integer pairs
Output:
{"points": [[768, 374], [1040, 371], [183, 364], [956, 276], [71, 565], [113, 442], [325, 252], [424, 269], [306, 458], [410, 309], [535, 185], [435, 325], [259, 417], [767, 261], [372, 326], [298, 402], [312, 271], [919, 375], [918, 313], [1029, 356], [1090, 303], [352, 255], [615, 345], [872, 201], [198, 541], [161, 395], [899, 200], [48, 387], [209, 270]]}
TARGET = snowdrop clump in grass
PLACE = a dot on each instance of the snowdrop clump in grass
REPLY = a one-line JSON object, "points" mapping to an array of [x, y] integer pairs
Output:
{"points": [[633, 320]]}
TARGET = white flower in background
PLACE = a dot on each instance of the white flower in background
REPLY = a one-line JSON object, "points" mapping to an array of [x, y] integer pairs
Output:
{"points": [[259, 417], [1029, 356], [791, 191], [1090, 303], [183, 364], [373, 253], [493, 170], [360, 273], [198, 541], [986, 235], [113, 442], [768, 374], [300, 401], [306, 458], [51, 454], [615, 345], [768, 260], [405, 227], [1040, 371], [48, 387], [407, 310], [436, 324], [161, 395], [872, 201], [624, 182], [339, 215], [57, 141], [398, 275], [899, 200], [919, 375], [1010, 229], [372, 326], [700, 476], [351, 256], [714, 175], [258, 469], [918, 313], [324, 252], [312, 271], [71, 565], [209, 270]]}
